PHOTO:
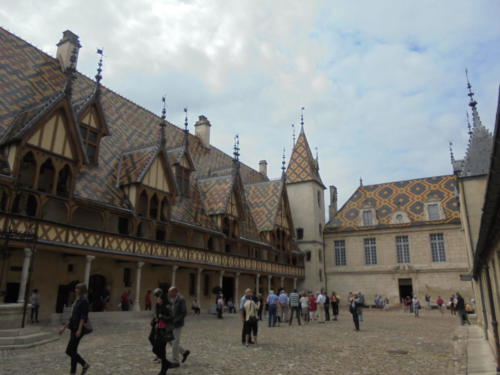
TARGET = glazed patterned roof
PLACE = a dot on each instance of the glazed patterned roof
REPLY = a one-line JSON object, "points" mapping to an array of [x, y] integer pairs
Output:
{"points": [[408, 197], [31, 80], [133, 165], [302, 166], [216, 193], [264, 199]]}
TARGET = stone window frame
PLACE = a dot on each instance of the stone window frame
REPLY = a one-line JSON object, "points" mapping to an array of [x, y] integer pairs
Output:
{"points": [[438, 255], [373, 217], [370, 247]]}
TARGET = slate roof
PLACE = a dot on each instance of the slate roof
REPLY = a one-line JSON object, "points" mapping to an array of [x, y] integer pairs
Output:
{"points": [[31, 80], [265, 200], [302, 166], [407, 196]]}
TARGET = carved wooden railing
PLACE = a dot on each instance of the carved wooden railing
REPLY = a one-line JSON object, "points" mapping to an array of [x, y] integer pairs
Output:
{"points": [[71, 237]]}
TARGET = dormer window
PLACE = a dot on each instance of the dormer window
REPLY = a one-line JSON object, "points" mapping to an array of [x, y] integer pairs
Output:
{"points": [[433, 211], [182, 175], [90, 138], [367, 217]]}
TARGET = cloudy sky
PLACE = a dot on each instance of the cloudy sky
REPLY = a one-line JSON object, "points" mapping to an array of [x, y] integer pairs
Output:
{"points": [[382, 81]]}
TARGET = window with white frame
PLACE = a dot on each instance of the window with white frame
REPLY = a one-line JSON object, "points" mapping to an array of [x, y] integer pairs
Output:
{"points": [[437, 247], [367, 217], [370, 251], [433, 211], [402, 249], [340, 258]]}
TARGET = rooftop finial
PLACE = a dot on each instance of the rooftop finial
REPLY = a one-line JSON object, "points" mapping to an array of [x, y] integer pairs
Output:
{"points": [[451, 152], [283, 162], [186, 131], [293, 133], [360, 181], [236, 150], [163, 140], [468, 122], [472, 102], [98, 76], [302, 118], [70, 73]]}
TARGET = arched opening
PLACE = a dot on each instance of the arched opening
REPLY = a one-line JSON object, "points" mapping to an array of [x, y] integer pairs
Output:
{"points": [[97, 289], [25, 204], [84, 217], [27, 171], [160, 233], [164, 210], [55, 210], [153, 207], [46, 177], [143, 230], [142, 205], [64, 182]]}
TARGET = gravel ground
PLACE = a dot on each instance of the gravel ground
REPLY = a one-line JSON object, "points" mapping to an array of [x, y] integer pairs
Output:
{"points": [[390, 342]]}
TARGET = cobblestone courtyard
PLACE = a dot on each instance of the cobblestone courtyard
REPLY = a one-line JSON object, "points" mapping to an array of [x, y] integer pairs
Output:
{"points": [[390, 342]]}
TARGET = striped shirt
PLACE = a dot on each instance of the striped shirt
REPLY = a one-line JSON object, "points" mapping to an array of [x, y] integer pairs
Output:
{"points": [[294, 299]]}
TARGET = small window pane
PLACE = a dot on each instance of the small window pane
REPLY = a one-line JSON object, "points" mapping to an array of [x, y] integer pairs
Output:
{"points": [[83, 132], [91, 152], [92, 136]]}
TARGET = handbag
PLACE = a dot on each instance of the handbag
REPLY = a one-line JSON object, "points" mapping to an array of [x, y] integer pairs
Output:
{"points": [[164, 335]]}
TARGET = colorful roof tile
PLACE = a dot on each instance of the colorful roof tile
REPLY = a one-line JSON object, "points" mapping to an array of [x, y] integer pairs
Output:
{"points": [[265, 200], [408, 197], [302, 166]]}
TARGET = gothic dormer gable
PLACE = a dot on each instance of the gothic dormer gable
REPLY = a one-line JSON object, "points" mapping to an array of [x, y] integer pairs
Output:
{"points": [[92, 127]]}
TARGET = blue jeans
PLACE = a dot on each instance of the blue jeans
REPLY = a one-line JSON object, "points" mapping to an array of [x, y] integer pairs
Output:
{"points": [[272, 315]]}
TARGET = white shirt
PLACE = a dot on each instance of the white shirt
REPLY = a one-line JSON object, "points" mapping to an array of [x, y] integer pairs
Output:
{"points": [[320, 299]]}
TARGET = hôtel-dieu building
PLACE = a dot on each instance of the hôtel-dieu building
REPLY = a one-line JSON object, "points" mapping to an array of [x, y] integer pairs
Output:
{"points": [[95, 188]]}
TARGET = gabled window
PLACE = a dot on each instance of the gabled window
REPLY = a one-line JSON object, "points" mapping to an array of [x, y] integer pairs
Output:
{"points": [[90, 138], [433, 211], [182, 178], [367, 217]]}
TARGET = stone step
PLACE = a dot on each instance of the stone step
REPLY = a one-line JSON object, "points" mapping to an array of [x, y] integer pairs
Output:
{"points": [[27, 341], [19, 331], [104, 316]]}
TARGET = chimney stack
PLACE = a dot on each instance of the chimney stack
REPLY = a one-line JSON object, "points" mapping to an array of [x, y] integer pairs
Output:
{"points": [[332, 209], [263, 167], [202, 130], [67, 50]]}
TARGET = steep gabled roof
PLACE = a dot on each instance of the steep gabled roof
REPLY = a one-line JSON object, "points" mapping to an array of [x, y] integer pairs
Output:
{"points": [[302, 166], [406, 196], [264, 200], [134, 164], [216, 193]]}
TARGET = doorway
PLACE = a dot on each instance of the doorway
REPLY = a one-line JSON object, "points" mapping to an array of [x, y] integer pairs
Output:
{"points": [[12, 292], [65, 296], [228, 288], [405, 289]]}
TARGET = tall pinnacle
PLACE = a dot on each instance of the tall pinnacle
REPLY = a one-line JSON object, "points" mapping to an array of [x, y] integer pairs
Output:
{"points": [[302, 119], [163, 140]]}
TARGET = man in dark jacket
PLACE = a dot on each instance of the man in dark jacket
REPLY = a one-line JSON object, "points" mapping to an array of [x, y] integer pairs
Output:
{"points": [[179, 312], [460, 307]]}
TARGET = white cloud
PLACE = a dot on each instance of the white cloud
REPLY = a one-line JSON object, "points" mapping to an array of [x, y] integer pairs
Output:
{"points": [[382, 82]]}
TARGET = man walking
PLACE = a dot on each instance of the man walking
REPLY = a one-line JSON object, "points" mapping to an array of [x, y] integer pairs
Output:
{"points": [[327, 307], [354, 308], [179, 312], [246, 297], [294, 306], [35, 306], [361, 304], [272, 302]]}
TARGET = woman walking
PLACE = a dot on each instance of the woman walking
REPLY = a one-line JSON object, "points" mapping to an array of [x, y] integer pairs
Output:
{"points": [[354, 305], [304, 306], [416, 306], [335, 305], [250, 325], [79, 316], [163, 327]]}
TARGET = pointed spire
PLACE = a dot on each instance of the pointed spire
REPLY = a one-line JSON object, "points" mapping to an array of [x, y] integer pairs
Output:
{"points": [[293, 133], [302, 119], [98, 76], [70, 73], [451, 152], [472, 102], [360, 181], [236, 148], [186, 130], [163, 124], [468, 123], [283, 162]]}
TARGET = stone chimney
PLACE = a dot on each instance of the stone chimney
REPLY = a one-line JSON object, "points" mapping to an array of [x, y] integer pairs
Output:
{"points": [[67, 50], [202, 130], [332, 209], [263, 167]]}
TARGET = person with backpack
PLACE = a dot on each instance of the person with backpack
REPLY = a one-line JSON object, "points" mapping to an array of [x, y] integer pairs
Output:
{"points": [[79, 326]]}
